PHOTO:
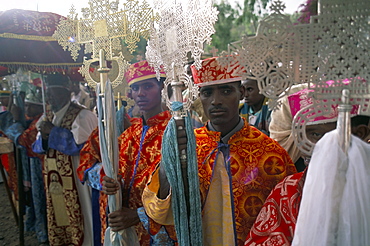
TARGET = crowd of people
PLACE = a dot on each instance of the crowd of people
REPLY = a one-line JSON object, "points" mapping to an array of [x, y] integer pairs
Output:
{"points": [[251, 173]]}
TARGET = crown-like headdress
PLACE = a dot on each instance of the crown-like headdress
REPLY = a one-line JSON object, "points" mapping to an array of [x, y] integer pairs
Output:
{"points": [[322, 111], [212, 73], [141, 71]]}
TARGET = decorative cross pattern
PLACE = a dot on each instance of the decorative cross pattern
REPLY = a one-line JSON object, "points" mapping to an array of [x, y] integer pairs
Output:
{"points": [[183, 28], [341, 34], [329, 54], [102, 28], [214, 51], [332, 47], [270, 57]]}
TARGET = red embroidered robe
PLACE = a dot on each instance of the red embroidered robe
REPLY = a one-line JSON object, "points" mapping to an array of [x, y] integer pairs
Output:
{"points": [[129, 148], [257, 164], [276, 222]]}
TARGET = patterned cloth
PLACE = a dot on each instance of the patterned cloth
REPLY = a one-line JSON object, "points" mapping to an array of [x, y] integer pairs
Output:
{"points": [[137, 160], [140, 71], [37, 183], [68, 207], [35, 216], [90, 171], [276, 222], [7, 160], [214, 72], [303, 99], [255, 162]]}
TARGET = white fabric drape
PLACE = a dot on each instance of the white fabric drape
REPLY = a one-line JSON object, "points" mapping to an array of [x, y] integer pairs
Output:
{"points": [[335, 207]]}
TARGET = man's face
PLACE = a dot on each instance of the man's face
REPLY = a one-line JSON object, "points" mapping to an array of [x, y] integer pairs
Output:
{"points": [[316, 132], [32, 110], [252, 94], [221, 103], [147, 94], [57, 97]]}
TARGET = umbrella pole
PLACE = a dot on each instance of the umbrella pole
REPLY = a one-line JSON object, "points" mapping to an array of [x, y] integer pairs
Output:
{"points": [[43, 94]]}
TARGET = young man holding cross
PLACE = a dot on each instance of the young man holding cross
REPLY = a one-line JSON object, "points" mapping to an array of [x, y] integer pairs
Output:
{"points": [[237, 164], [139, 153]]}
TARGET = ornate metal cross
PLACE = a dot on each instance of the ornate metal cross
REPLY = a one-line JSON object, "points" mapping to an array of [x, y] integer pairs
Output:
{"points": [[182, 28], [102, 28], [333, 46]]}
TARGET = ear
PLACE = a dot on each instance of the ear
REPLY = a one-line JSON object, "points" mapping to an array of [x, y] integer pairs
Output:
{"points": [[242, 91], [361, 131]]}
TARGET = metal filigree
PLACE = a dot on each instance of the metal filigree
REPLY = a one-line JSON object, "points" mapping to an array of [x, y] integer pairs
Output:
{"points": [[323, 102], [102, 28], [329, 55], [182, 28], [341, 42], [333, 46], [118, 64], [270, 56]]}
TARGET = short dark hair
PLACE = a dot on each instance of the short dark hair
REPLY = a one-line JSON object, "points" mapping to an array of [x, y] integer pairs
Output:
{"points": [[58, 79]]}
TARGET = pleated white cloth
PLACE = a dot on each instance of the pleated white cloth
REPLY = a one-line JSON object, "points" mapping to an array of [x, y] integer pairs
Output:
{"points": [[335, 207]]}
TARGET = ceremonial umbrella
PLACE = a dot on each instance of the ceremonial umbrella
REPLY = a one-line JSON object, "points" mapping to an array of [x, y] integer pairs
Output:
{"points": [[26, 41]]}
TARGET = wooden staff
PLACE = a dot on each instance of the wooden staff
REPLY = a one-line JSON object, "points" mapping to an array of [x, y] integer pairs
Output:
{"points": [[18, 160]]}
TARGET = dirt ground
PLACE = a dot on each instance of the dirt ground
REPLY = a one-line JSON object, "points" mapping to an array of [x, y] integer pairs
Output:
{"points": [[9, 235]]}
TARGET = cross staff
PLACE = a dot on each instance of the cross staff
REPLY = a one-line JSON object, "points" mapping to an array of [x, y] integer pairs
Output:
{"points": [[183, 28], [102, 28], [281, 53]]}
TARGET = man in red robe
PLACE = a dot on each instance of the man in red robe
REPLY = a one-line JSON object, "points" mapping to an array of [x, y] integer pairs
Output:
{"points": [[275, 224], [139, 153], [238, 165]]}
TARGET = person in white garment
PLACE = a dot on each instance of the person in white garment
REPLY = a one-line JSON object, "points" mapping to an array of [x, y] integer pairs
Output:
{"points": [[63, 130]]}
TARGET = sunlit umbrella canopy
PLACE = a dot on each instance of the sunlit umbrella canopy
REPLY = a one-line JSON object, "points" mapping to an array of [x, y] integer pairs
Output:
{"points": [[26, 41]]}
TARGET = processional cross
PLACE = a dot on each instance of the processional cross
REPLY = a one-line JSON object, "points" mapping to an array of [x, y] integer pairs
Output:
{"points": [[183, 28], [103, 28], [328, 55], [101, 32]]}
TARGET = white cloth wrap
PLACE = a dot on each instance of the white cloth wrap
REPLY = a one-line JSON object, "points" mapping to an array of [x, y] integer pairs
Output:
{"points": [[335, 207]]}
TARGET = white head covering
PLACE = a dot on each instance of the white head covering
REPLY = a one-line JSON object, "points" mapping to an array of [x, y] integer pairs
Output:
{"points": [[281, 125]]}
